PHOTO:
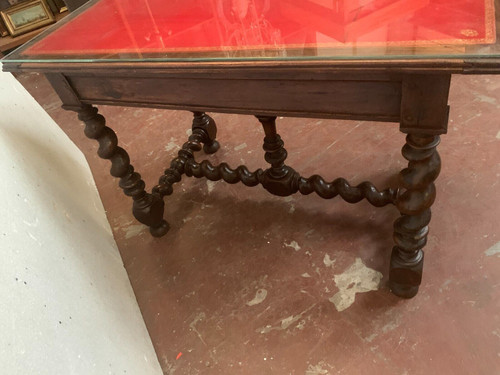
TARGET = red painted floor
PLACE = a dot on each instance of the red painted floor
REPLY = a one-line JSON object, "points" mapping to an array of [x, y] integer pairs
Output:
{"points": [[244, 282]]}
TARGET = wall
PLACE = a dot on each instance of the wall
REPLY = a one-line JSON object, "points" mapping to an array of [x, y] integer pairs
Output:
{"points": [[67, 304]]}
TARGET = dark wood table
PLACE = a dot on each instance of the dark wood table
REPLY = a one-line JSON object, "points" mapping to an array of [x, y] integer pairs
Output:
{"points": [[303, 58]]}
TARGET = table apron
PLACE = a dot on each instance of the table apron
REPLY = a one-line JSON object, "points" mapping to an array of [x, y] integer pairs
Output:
{"points": [[417, 102]]}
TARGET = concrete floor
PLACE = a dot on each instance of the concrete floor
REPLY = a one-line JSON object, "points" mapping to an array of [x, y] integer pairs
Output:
{"points": [[244, 282]]}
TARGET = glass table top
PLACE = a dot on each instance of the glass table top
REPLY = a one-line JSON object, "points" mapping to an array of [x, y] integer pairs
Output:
{"points": [[206, 30]]}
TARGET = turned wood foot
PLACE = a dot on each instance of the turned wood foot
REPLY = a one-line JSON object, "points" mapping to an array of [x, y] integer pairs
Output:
{"points": [[149, 211], [279, 179], [147, 208], [415, 198], [206, 125], [161, 230]]}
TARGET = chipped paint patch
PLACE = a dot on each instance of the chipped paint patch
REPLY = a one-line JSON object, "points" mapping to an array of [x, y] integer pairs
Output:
{"points": [[171, 145], [316, 369], [391, 326], [356, 279], [266, 329], [498, 135], [260, 296], [168, 366], [444, 286], [370, 338], [240, 147], [301, 325], [199, 317], [327, 261], [211, 185], [287, 322], [484, 98], [284, 322], [305, 275], [133, 230], [494, 250], [294, 245]]}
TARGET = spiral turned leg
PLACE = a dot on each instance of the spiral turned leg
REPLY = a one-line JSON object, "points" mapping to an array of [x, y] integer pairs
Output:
{"points": [[206, 124], [147, 208], [279, 179], [178, 165], [417, 194]]}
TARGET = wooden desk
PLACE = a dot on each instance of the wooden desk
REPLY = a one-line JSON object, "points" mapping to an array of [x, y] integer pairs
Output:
{"points": [[140, 65]]}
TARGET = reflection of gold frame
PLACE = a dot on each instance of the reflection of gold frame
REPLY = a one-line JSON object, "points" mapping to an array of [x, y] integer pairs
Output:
{"points": [[27, 16], [3, 28]]}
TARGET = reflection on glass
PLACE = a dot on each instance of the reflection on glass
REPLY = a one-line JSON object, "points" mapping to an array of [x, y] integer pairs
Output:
{"points": [[161, 29], [27, 16]]}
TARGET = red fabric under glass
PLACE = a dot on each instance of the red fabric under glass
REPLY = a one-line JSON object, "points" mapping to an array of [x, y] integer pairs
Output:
{"points": [[162, 26]]}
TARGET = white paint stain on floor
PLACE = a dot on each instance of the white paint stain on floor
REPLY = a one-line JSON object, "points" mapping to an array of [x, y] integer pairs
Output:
{"points": [[327, 261], [494, 250], [211, 185], [171, 145], [444, 286], [317, 369], [170, 367], [260, 296], [287, 322], [284, 323], [240, 147], [294, 245], [198, 318], [391, 326], [289, 199], [133, 230], [356, 279], [370, 338], [484, 98], [301, 325]]}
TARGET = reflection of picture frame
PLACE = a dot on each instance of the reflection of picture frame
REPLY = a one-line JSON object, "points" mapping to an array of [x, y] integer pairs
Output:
{"points": [[3, 28], [27, 16]]}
